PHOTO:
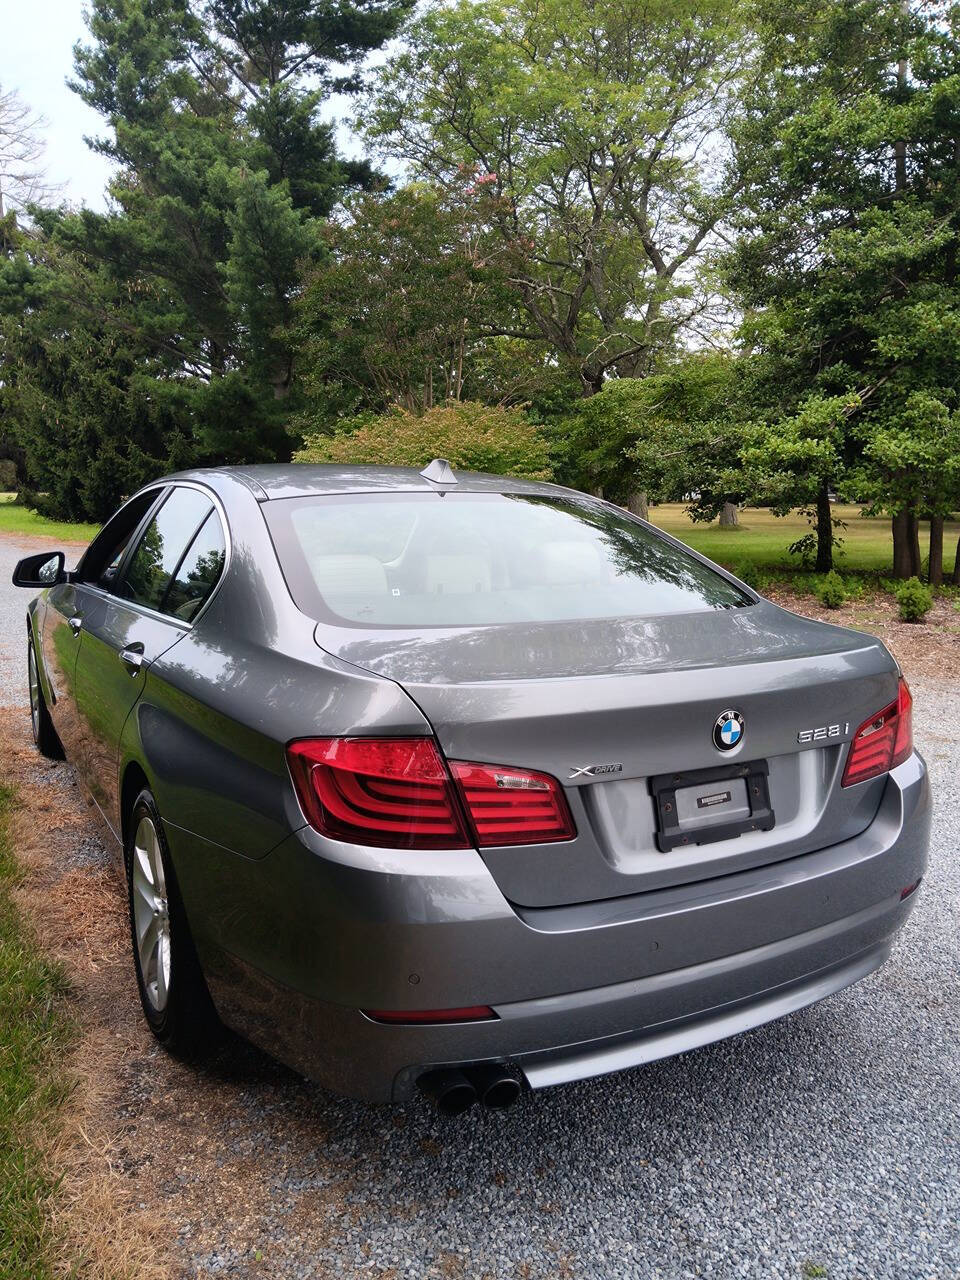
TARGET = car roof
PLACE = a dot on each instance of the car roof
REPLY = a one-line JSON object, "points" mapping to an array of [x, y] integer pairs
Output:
{"points": [[297, 479]]}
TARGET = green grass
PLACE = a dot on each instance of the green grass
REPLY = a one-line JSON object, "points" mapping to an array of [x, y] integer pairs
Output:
{"points": [[17, 519], [34, 1034], [762, 538]]}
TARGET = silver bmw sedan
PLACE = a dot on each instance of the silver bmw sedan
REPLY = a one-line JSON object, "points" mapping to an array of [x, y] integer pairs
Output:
{"points": [[467, 783]]}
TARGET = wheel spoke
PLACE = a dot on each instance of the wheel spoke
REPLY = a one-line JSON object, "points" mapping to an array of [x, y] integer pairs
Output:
{"points": [[144, 867], [33, 679], [163, 969], [149, 941], [145, 892]]}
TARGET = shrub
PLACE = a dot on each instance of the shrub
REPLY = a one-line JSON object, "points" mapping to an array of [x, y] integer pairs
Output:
{"points": [[472, 436], [748, 572], [855, 588], [830, 590], [915, 600]]}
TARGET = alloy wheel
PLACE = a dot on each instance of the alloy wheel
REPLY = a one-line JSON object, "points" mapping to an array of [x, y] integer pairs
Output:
{"points": [[151, 913], [34, 680]]}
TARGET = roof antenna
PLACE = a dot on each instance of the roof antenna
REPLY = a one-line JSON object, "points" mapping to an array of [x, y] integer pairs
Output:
{"points": [[439, 471]]}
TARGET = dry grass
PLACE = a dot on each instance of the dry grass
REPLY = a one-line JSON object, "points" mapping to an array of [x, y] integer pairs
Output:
{"points": [[98, 1230]]}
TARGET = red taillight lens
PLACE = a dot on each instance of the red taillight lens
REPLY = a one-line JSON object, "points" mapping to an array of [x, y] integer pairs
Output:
{"points": [[397, 792], [883, 741], [513, 806], [382, 791], [903, 746]]}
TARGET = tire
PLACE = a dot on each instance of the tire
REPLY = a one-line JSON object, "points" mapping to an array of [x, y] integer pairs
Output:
{"points": [[173, 993], [44, 734]]}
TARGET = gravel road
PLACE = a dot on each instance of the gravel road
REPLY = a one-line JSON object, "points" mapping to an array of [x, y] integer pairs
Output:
{"points": [[825, 1144]]}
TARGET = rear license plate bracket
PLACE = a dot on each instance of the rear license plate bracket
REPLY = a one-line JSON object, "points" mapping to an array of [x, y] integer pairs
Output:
{"points": [[737, 795]]}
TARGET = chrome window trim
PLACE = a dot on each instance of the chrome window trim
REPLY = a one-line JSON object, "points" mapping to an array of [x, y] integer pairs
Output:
{"points": [[143, 609]]}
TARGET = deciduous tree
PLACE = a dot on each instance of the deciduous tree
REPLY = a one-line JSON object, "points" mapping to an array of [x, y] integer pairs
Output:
{"points": [[599, 129]]}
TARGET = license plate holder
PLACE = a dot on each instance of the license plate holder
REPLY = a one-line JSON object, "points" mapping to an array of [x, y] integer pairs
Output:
{"points": [[706, 805]]}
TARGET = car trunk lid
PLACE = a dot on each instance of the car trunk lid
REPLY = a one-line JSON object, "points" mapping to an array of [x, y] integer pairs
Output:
{"points": [[605, 706]]}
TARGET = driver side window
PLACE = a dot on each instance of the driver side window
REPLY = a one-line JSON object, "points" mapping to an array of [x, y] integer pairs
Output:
{"points": [[101, 560]]}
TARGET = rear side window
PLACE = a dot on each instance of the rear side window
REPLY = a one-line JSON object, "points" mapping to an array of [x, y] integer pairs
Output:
{"points": [[161, 549], [199, 571], [460, 559]]}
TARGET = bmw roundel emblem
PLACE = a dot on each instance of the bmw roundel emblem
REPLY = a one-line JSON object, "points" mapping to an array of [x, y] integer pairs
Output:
{"points": [[728, 730]]}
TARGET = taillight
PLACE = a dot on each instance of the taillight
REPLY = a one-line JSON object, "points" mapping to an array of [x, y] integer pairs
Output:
{"points": [[382, 791], [513, 806], [883, 741], [398, 792]]}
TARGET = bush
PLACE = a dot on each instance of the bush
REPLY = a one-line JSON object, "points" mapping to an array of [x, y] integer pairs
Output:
{"points": [[915, 600], [748, 572], [855, 588], [830, 590], [474, 437]]}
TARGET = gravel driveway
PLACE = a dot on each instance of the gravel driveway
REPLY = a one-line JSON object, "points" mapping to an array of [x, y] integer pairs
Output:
{"points": [[825, 1144]]}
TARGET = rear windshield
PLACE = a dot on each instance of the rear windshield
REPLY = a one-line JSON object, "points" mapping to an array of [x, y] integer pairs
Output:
{"points": [[460, 559]]}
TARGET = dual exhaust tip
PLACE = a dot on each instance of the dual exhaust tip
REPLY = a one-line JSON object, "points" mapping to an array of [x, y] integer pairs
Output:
{"points": [[454, 1091]]}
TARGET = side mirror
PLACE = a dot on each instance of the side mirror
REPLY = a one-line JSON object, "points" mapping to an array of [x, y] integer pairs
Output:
{"points": [[45, 569]]}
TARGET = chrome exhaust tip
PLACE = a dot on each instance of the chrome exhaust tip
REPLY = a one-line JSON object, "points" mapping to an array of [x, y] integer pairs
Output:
{"points": [[449, 1090]]}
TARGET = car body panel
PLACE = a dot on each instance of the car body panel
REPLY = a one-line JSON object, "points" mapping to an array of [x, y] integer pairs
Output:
{"points": [[107, 689], [58, 647]]}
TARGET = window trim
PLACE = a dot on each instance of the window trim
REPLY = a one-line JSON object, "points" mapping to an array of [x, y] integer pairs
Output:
{"points": [[145, 610]]}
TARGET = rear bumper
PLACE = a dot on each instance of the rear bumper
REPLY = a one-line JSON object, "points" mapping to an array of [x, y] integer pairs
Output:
{"points": [[296, 945]]}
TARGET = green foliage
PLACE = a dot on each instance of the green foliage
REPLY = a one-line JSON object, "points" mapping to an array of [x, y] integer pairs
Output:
{"points": [[471, 436], [671, 434], [753, 575], [398, 310], [831, 591], [847, 258], [602, 167], [34, 1033], [915, 600], [159, 332]]}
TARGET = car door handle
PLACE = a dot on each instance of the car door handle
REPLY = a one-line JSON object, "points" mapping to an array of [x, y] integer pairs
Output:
{"points": [[132, 658], [75, 623]]}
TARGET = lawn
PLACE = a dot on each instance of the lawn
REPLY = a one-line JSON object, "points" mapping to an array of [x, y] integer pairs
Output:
{"points": [[762, 538], [34, 1033], [17, 519]]}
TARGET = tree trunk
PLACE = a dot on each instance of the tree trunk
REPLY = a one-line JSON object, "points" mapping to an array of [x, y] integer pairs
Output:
{"points": [[956, 567], [824, 530], [901, 544], [728, 516], [935, 574], [638, 505], [915, 562]]}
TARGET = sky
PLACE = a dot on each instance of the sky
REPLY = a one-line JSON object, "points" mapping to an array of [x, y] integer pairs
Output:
{"points": [[36, 57]]}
